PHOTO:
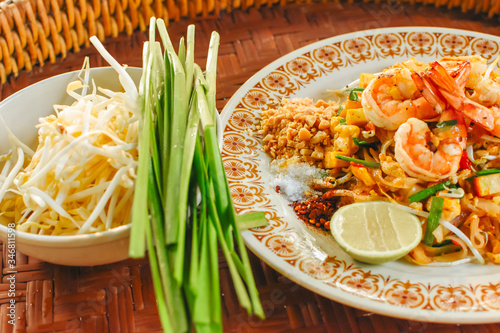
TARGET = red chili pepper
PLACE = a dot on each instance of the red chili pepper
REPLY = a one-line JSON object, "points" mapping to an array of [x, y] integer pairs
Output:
{"points": [[465, 161], [370, 126], [455, 242], [357, 164]]}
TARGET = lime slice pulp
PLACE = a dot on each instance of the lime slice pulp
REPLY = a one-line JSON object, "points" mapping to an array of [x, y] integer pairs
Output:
{"points": [[375, 232]]}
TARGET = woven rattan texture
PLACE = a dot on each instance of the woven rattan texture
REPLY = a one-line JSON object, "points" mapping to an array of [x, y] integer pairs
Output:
{"points": [[33, 32], [119, 297]]}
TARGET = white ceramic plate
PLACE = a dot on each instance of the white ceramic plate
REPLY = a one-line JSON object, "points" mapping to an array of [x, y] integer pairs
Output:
{"points": [[468, 293]]}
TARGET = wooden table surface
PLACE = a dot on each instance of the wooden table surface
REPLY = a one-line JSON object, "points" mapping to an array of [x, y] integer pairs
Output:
{"points": [[55, 298]]}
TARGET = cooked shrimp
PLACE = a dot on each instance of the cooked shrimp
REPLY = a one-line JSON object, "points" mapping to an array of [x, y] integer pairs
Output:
{"points": [[453, 66], [486, 117], [412, 148], [419, 159], [477, 69], [432, 81], [392, 98]]}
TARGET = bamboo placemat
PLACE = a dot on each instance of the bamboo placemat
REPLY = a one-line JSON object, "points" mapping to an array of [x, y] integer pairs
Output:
{"points": [[119, 297]]}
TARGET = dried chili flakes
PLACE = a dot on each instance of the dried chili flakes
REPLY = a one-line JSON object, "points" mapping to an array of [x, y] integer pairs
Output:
{"points": [[317, 211]]}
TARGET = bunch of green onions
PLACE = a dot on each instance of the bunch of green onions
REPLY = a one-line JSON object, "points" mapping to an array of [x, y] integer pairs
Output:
{"points": [[183, 211]]}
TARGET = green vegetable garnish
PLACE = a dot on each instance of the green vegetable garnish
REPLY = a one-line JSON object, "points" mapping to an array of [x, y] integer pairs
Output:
{"points": [[433, 220], [251, 220], [369, 164], [443, 243], [354, 89], [419, 196], [353, 96], [342, 121], [324, 173], [364, 144], [487, 172], [339, 111], [447, 123]]}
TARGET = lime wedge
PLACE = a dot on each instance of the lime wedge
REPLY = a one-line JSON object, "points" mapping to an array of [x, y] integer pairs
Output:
{"points": [[375, 232]]}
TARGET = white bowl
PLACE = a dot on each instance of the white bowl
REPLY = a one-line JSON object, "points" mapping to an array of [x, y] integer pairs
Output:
{"points": [[21, 112]]}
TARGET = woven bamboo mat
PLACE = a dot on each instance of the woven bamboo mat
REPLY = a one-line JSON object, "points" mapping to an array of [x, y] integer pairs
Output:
{"points": [[119, 297]]}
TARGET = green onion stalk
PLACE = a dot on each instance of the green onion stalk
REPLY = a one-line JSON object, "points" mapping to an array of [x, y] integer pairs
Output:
{"points": [[433, 220], [183, 211], [369, 164], [425, 193]]}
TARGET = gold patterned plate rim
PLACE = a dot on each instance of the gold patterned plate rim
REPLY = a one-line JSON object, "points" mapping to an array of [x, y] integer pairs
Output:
{"points": [[468, 293]]}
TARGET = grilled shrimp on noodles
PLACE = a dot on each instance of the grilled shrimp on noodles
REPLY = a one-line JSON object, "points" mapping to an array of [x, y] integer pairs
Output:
{"points": [[454, 79], [415, 154], [453, 66], [412, 148], [392, 98], [477, 69], [486, 117]]}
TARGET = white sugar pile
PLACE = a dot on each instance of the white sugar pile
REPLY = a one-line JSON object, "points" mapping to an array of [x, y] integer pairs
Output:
{"points": [[294, 180]]}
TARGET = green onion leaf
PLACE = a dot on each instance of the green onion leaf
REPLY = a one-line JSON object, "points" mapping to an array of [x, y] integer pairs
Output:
{"points": [[443, 243], [187, 162], [170, 291], [433, 220], [353, 96], [419, 196], [364, 144], [251, 220], [339, 111], [487, 172], [165, 319], [369, 164], [342, 121], [447, 123], [210, 71], [354, 89]]}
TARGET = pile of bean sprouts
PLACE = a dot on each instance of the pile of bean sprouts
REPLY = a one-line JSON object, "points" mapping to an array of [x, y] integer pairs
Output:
{"points": [[81, 177]]}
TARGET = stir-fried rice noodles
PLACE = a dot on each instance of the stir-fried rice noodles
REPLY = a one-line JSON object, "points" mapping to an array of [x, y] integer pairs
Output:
{"points": [[414, 132]]}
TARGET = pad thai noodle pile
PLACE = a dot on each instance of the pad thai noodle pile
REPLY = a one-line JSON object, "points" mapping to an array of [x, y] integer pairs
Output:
{"points": [[424, 136]]}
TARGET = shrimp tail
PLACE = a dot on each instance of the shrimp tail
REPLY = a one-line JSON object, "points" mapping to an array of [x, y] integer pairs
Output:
{"points": [[461, 74], [429, 92], [449, 88], [481, 115], [453, 92]]}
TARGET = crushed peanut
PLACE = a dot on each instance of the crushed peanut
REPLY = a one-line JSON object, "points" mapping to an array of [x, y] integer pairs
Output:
{"points": [[299, 128]]}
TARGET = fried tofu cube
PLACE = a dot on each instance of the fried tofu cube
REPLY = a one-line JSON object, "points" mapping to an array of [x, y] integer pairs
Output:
{"points": [[451, 208], [332, 162], [356, 117], [487, 185]]}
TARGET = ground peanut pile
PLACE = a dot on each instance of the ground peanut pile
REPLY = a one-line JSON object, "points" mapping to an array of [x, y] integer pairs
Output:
{"points": [[299, 128]]}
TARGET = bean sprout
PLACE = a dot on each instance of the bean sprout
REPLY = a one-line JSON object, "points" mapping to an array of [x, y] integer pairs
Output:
{"points": [[81, 176]]}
